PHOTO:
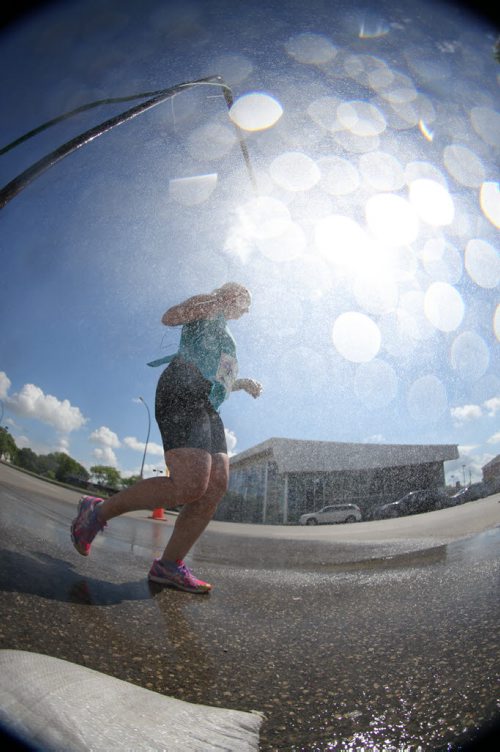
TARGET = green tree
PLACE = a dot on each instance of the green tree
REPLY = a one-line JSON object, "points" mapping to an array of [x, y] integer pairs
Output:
{"points": [[8, 447], [69, 469], [48, 464], [107, 476], [27, 459], [126, 482]]}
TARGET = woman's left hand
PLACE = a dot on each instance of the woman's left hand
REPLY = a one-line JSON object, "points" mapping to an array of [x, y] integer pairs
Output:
{"points": [[252, 387]]}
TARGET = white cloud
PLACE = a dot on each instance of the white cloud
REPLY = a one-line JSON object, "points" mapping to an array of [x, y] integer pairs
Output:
{"points": [[5, 384], [465, 449], [377, 438], [492, 406], [105, 456], [60, 444], [63, 445], [23, 442], [465, 413], [31, 402], [106, 437], [138, 446], [495, 439], [469, 466], [231, 442]]}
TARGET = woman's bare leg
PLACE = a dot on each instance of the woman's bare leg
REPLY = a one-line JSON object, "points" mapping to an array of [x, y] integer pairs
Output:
{"points": [[195, 516], [188, 481]]}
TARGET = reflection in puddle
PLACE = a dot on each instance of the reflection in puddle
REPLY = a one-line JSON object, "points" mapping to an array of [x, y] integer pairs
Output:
{"points": [[476, 547]]}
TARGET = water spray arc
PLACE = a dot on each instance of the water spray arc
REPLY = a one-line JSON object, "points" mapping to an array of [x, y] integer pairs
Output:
{"points": [[15, 186]]}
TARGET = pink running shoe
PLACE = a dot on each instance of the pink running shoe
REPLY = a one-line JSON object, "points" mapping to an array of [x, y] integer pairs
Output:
{"points": [[86, 524], [177, 575]]}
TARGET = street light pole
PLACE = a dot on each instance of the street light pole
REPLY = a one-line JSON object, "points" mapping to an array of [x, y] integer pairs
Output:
{"points": [[147, 438]]}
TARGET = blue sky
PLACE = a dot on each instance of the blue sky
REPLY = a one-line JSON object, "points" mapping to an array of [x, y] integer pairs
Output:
{"points": [[370, 246]]}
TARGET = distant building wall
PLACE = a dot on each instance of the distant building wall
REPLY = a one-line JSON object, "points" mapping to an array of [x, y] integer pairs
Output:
{"points": [[491, 474], [255, 494], [258, 493]]}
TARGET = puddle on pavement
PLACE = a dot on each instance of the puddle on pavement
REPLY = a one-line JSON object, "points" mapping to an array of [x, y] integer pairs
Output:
{"points": [[481, 546]]}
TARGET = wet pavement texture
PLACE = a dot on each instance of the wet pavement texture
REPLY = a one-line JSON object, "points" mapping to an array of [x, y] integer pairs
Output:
{"points": [[399, 654]]}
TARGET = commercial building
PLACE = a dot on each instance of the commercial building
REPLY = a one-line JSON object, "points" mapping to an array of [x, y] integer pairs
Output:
{"points": [[278, 480], [491, 474]]}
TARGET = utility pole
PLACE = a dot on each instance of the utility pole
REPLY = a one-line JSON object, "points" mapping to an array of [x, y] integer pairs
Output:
{"points": [[147, 437]]}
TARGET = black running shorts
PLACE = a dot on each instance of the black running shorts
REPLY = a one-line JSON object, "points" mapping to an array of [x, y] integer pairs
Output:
{"points": [[185, 416]]}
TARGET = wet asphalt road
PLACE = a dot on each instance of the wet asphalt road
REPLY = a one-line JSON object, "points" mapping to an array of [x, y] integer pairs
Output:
{"points": [[388, 654]]}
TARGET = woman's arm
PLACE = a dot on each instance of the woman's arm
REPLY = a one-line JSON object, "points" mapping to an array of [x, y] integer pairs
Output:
{"points": [[199, 307], [252, 387]]}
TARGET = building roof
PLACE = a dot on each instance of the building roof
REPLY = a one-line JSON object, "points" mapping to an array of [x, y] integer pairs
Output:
{"points": [[295, 456], [491, 464]]}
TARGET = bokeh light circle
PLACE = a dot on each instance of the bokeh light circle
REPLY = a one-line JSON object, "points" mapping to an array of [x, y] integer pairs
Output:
{"points": [[289, 244], [342, 242], [376, 384], [444, 306], [356, 337], [489, 199], [323, 111], [234, 69], [432, 202], [391, 219], [294, 171], [374, 291], [361, 118], [427, 399], [496, 322], [464, 165], [211, 141], [339, 176], [256, 111], [442, 261], [382, 171], [486, 123], [264, 217], [469, 356], [312, 49], [482, 262]]}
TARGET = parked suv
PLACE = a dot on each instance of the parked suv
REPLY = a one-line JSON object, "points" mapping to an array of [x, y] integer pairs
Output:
{"points": [[471, 493], [331, 514], [414, 502]]}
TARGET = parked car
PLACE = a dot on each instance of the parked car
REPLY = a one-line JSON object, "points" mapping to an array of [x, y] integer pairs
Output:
{"points": [[415, 502], [471, 493], [331, 514]]}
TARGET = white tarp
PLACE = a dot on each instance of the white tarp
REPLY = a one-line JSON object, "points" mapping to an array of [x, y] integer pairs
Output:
{"points": [[60, 706]]}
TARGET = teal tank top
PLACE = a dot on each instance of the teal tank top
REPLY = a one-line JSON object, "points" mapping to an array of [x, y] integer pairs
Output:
{"points": [[209, 345]]}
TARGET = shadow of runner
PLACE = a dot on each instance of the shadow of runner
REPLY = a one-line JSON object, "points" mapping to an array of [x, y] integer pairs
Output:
{"points": [[55, 579]]}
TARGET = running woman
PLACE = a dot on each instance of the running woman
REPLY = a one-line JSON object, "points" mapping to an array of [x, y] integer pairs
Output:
{"points": [[190, 391]]}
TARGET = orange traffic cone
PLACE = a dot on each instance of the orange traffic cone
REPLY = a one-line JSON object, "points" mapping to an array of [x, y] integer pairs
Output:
{"points": [[159, 514]]}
